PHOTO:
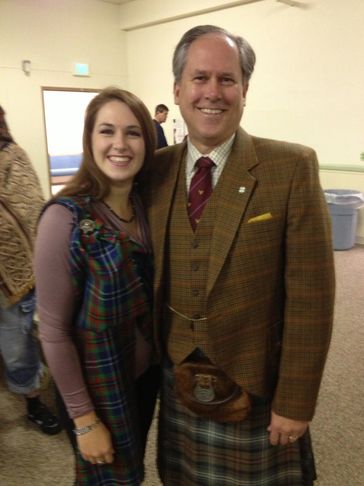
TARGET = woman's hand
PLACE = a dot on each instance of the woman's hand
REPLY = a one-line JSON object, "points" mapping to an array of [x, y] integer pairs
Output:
{"points": [[95, 445]]}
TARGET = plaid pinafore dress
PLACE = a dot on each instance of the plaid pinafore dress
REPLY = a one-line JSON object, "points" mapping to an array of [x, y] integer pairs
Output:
{"points": [[112, 276]]}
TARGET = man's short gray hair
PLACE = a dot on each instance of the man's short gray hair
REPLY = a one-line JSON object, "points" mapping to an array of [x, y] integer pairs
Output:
{"points": [[246, 53]]}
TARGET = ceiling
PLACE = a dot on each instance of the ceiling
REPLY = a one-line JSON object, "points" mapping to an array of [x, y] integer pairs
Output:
{"points": [[117, 1]]}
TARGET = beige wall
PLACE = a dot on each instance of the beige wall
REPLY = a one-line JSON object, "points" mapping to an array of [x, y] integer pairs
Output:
{"points": [[307, 86], [308, 82], [54, 34]]}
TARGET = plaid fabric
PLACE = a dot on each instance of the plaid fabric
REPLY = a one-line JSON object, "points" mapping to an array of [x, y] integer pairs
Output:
{"points": [[112, 288], [105, 357], [194, 451], [112, 276], [219, 156]]}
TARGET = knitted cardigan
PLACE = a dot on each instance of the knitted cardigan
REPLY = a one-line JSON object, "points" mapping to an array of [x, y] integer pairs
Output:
{"points": [[21, 201]]}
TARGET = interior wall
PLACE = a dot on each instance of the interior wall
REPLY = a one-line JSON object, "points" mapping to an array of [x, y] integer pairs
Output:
{"points": [[307, 86], [308, 83], [54, 35]]}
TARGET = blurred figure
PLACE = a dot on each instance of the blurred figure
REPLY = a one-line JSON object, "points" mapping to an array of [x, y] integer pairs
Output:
{"points": [[93, 266], [20, 203], [160, 116]]}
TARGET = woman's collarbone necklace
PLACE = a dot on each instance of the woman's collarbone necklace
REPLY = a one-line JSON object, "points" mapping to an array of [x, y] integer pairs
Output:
{"points": [[123, 220]]}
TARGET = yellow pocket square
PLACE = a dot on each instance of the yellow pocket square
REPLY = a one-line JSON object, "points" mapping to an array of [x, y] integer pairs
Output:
{"points": [[261, 217]]}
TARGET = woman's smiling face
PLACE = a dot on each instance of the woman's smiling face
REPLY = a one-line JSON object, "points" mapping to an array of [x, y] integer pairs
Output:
{"points": [[117, 143]]}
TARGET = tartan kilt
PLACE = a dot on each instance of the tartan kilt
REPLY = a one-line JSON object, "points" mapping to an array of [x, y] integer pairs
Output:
{"points": [[195, 451]]}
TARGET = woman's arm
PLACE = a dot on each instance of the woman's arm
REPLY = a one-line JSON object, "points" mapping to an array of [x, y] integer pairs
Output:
{"points": [[56, 307]]}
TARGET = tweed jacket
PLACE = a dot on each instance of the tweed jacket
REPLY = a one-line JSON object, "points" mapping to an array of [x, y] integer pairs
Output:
{"points": [[270, 280]]}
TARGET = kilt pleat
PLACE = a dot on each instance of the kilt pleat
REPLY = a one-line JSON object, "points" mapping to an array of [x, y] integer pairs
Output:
{"points": [[195, 451]]}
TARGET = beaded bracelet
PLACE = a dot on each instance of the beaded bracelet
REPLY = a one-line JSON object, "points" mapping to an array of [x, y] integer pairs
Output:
{"points": [[87, 428]]}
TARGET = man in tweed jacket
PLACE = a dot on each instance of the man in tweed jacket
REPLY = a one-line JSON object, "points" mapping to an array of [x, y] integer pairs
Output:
{"points": [[252, 288]]}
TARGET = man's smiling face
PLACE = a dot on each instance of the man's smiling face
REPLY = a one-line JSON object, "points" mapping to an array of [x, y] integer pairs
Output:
{"points": [[211, 91]]}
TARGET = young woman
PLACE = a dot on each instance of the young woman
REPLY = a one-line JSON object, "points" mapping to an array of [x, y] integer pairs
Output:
{"points": [[93, 277]]}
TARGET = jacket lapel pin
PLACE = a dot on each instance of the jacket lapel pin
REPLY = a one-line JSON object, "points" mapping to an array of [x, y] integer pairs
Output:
{"points": [[241, 189]]}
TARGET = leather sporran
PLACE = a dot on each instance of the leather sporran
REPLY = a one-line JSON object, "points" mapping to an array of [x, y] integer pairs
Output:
{"points": [[207, 391]]}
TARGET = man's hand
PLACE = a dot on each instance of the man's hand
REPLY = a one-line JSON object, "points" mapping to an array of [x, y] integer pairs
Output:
{"points": [[283, 430]]}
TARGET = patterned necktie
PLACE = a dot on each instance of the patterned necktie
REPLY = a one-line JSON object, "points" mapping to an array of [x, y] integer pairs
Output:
{"points": [[200, 190]]}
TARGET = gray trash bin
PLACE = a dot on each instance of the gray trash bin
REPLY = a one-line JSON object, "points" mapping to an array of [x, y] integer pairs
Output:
{"points": [[344, 205]]}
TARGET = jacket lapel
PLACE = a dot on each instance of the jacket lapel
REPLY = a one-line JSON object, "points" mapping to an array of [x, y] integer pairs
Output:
{"points": [[238, 187], [166, 175]]}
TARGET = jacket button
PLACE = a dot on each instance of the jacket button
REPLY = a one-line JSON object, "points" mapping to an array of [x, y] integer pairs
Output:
{"points": [[195, 292], [194, 244], [196, 316], [195, 266]]}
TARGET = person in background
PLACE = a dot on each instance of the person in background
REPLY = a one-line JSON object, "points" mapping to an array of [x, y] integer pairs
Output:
{"points": [[93, 267], [21, 201], [160, 116], [244, 282]]}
